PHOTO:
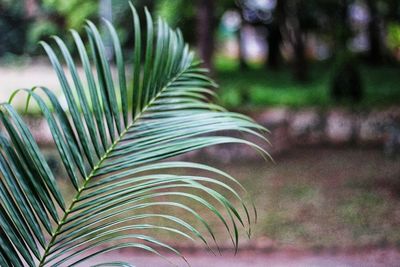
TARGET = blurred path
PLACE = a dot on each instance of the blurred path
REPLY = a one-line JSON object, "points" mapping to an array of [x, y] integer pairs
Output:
{"points": [[26, 76], [368, 258], [35, 73]]}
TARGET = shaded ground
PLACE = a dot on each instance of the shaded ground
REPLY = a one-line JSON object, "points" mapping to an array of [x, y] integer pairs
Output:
{"points": [[374, 258], [329, 198], [316, 207], [323, 198], [316, 199]]}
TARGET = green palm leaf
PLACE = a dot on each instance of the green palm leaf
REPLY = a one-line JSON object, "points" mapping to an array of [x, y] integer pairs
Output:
{"points": [[112, 140]]}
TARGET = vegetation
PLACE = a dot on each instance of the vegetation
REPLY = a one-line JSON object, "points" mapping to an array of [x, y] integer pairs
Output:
{"points": [[293, 32], [112, 141], [257, 88]]}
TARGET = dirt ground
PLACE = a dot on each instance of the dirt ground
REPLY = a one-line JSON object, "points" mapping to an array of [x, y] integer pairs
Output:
{"points": [[331, 207], [280, 258], [310, 198]]}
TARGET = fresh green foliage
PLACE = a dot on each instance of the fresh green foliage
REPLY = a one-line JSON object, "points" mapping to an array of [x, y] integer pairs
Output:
{"points": [[263, 88], [393, 38], [39, 30], [168, 10], [74, 11], [112, 141], [13, 26]]}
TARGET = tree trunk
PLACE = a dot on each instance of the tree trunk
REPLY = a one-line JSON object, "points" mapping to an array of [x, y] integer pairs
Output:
{"points": [[205, 31], [374, 34], [342, 32], [300, 66], [242, 59], [295, 32], [274, 39], [275, 36]]}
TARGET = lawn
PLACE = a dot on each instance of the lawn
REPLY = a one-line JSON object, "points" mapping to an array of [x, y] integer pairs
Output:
{"points": [[260, 87]]}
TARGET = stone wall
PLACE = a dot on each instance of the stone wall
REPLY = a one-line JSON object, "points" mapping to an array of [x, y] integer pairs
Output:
{"points": [[337, 126], [302, 127]]}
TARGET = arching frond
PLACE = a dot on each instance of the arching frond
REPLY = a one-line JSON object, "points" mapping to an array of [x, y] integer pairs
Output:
{"points": [[112, 140]]}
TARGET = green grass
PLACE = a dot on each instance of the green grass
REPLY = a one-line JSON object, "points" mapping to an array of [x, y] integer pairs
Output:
{"points": [[259, 87]]}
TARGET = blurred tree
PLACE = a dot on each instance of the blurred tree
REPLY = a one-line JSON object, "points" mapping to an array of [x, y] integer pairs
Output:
{"points": [[13, 27], [201, 15], [303, 17], [346, 81], [71, 13], [286, 22], [264, 14], [295, 31], [205, 31], [393, 10], [342, 28], [242, 42], [169, 9], [56, 17], [388, 15], [393, 39], [179, 13], [375, 54], [274, 36]]}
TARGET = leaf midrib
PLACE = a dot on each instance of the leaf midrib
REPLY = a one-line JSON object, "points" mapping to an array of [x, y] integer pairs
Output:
{"points": [[60, 224]]}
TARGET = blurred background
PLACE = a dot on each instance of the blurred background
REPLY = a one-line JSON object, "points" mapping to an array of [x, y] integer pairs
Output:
{"points": [[322, 75], [295, 53]]}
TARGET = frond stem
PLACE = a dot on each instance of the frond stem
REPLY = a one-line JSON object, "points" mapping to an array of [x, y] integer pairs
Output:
{"points": [[60, 224], [78, 194]]}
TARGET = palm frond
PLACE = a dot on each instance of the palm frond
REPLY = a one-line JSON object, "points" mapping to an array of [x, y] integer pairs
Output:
{"points": [[112, 140]]}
